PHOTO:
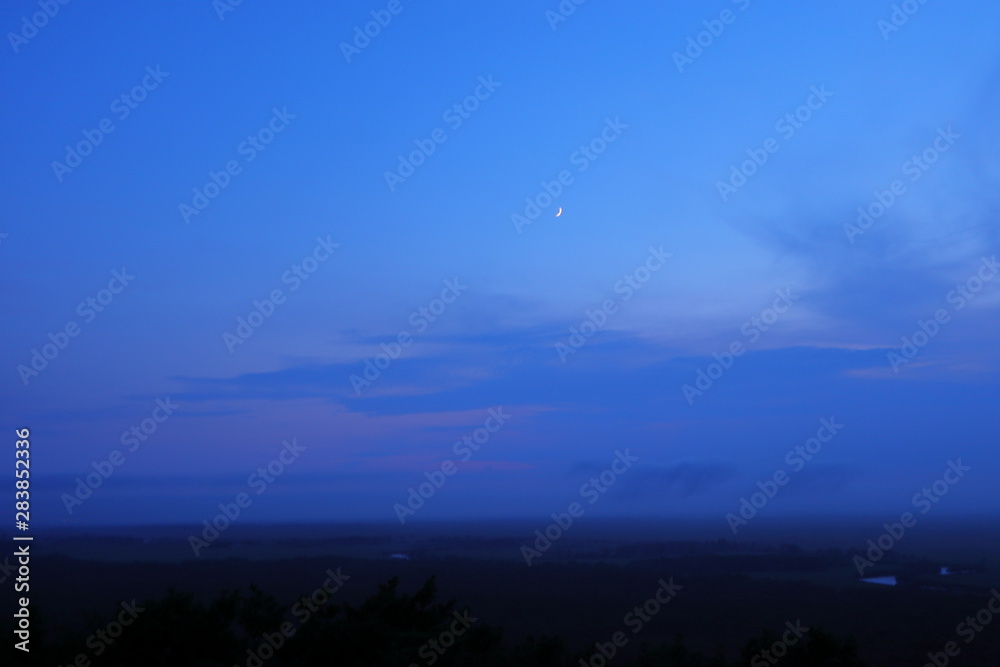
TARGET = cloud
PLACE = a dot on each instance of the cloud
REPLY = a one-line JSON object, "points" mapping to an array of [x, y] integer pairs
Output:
{"points": [[678, 480], [821, 479]]}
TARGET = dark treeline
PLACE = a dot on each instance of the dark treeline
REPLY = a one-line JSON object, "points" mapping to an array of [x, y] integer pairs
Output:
{"points": [[390, 628]]}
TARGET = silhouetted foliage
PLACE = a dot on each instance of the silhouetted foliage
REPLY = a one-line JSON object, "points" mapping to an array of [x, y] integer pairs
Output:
{"points": [[390, 628]]}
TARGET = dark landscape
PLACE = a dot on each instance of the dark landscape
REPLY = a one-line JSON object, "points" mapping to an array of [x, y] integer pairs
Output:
{"points": [[733, 599]]}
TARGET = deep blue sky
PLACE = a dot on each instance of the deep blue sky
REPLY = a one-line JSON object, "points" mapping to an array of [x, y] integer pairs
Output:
{"points": [[656, 185]]}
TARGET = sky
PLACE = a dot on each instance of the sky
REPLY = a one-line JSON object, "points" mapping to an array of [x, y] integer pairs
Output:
{"points": [[575, 233]]}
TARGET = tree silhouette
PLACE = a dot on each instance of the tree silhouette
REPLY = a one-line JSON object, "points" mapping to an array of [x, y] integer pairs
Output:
{"points": [[389, 628]]}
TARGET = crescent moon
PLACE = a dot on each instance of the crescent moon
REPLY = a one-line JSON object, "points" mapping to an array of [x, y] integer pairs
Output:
{"points": [[559, 212]]}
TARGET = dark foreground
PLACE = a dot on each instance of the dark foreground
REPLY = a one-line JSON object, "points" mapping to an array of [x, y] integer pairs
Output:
{"points": [[353, 599]]}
